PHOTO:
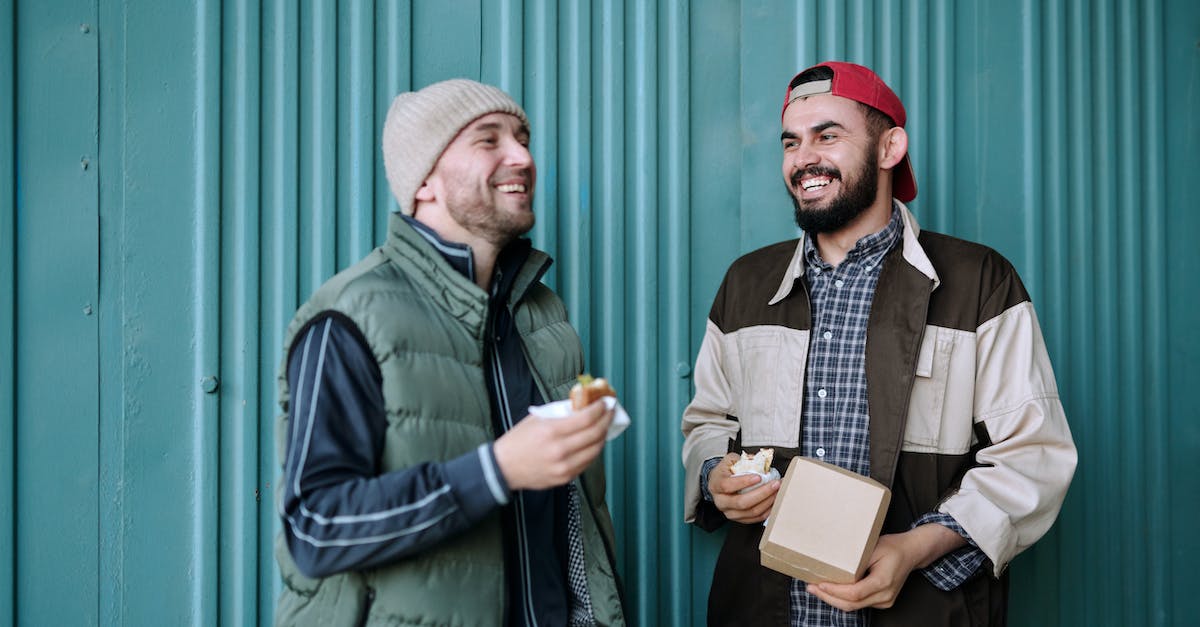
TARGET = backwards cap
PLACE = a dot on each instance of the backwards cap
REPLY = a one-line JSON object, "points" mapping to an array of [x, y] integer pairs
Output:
{"points": [[862, 85]]}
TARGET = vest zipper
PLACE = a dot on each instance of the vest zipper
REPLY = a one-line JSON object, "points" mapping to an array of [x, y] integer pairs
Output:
{"points": [[368, 601]]}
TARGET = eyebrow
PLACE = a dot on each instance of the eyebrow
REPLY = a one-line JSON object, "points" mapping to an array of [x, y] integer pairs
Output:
{"points": [[816, 128]]}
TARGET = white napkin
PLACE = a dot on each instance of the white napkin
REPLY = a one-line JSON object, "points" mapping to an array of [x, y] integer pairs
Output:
{"points": [[561, 409]]}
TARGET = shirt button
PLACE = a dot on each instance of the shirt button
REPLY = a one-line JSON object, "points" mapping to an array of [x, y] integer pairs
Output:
{"points": [[820, 452], [828, 335], [822, 393], [839, 282]]}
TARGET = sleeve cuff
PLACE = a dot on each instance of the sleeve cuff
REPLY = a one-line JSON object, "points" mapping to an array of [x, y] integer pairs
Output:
{"points": [[477, 482], [709, 464], [956, 567]]}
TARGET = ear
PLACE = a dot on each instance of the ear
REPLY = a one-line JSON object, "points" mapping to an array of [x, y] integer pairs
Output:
{"points": [[425, 192], [892, 147]]}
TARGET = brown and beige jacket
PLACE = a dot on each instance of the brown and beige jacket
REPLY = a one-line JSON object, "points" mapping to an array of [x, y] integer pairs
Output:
{"points": [[964, 410]]}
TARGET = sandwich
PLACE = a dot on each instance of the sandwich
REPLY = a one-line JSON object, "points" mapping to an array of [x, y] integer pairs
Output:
{"points": [[588, 389], [759, 463]]}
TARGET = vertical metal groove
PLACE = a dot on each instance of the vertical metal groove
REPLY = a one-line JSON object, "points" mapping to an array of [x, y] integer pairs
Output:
{"points": [[240, 320], [1104, 220], [540, 100], [318, 129], [1153, 313], [673, 595], [1051, 134], [608, 183], [938, 130], [502, 54], [1083, 341], [641, 64], [280, 172], [1128, 269], [8, 290], [393, 74], [356, 131], [572, 208], [206, 323]]}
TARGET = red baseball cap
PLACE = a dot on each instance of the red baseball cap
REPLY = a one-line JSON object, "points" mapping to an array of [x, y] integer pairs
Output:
{"points": [[860, 84]]}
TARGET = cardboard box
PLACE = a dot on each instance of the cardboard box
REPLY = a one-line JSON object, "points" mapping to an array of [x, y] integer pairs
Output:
{"points": [[824, 524]]}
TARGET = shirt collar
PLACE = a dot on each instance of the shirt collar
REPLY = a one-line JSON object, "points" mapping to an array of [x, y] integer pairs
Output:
{"points": [[910, 246], [868, 250]]}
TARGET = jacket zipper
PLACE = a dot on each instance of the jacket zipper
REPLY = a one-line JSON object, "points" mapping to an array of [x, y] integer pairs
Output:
{"points": [[368, 601]]}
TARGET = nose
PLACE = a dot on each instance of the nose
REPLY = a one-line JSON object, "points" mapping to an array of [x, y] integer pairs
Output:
{"points": [[798, 159], [517, 155], [803, 156]]}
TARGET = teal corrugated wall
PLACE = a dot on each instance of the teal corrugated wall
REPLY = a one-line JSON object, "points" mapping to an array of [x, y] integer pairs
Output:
{"points": [[175, 177]]}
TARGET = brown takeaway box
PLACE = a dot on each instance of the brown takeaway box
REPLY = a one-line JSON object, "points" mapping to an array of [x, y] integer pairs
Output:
{"points": [[824, 523]]}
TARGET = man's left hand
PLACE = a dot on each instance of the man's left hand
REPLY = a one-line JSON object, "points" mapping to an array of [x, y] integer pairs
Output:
{"points": [[895, 556]]}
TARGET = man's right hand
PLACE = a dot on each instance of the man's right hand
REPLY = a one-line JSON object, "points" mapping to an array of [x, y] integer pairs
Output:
{"points": [[751, 507], [539, 453]]}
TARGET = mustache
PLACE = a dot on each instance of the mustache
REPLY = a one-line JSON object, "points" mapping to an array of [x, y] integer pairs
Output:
{"points": [[524, 174], [816, 170]]}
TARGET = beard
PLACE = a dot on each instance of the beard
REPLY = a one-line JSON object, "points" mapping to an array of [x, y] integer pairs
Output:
{"points": [[475, 211], [855, 197]]}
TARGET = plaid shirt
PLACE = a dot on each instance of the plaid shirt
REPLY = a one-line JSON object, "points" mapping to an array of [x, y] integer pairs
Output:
{"points": [[836, 418]]}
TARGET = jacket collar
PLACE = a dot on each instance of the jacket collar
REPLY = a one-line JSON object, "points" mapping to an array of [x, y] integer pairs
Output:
{"points": [[519, 266], [911, 249]]}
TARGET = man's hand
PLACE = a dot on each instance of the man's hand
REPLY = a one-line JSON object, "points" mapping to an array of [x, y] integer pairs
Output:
{"points": [[895, 556], [751, 507], [539, 453]]}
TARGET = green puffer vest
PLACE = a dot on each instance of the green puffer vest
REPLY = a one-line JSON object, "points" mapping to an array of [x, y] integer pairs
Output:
{"points": [[424, 322]]}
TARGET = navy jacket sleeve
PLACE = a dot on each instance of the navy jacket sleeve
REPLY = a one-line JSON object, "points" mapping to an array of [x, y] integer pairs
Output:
{"points": [[339, 511]]}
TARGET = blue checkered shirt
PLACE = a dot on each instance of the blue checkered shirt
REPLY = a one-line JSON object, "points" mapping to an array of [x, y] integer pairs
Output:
{"points": [[836, 418]]}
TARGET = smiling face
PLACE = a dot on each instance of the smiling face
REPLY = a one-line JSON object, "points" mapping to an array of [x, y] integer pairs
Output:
{"points": [[831, 162], [481, 188]]}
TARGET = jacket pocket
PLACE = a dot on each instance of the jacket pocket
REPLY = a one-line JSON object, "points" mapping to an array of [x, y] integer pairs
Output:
{"points": [[772, 373], [922, 431]]}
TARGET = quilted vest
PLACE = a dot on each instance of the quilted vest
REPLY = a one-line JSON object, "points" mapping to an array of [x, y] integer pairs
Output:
{"points": [[425, 323]]}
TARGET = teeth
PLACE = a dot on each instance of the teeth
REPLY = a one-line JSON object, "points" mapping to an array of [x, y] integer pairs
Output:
{"points": [[511, 187], [812, 184]]}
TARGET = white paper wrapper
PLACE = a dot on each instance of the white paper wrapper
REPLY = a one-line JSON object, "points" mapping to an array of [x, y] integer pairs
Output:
{"points": [[561, 409], [764, 478]]}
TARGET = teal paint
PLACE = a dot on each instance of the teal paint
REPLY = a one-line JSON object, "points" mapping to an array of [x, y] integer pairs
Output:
{"points": [[238, 167], [56, 312], [240, 493], [8, 288], [1174, 338]]}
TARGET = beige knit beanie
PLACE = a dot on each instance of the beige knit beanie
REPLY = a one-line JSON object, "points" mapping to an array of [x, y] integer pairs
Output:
{"points": [[420, 124]]}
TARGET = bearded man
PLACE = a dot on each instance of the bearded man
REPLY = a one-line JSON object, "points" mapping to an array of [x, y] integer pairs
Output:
{"points": [[907, 356], [415, 488]]}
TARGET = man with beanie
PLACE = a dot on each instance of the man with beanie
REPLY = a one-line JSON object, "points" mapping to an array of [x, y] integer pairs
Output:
{"points": [[415, 488], [905, 355]]}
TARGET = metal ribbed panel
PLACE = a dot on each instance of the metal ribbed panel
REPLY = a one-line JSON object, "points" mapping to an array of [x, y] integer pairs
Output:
{"points": [[239, 168], [8, 258], [240, 492], [54, 311]]}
